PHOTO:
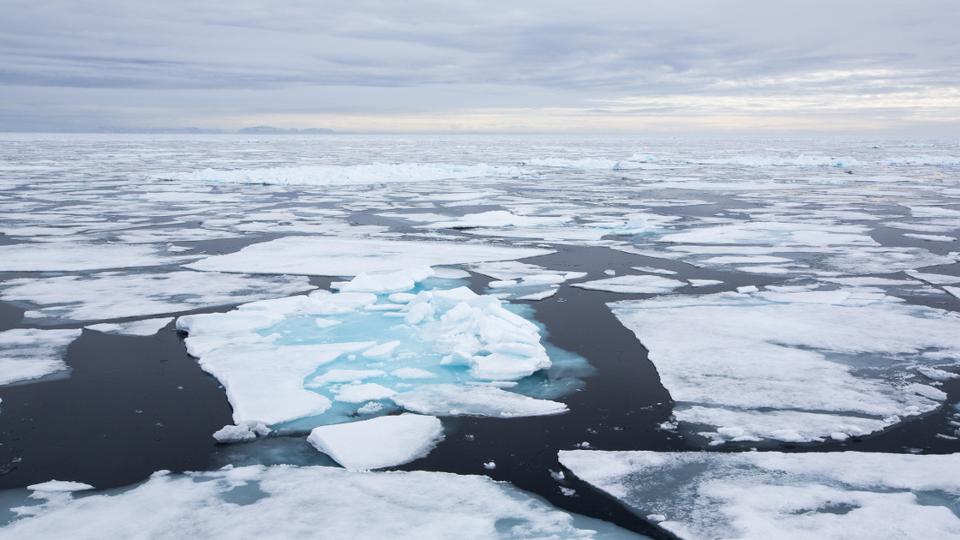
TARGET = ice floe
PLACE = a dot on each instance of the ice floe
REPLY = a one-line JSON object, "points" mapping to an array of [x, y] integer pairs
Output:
{"points": [[278, 365], [700, 495], [144, 327], [326, 256], [114, 295], [62, 256], [240, 433], [380, 442], [456, 400], [630, 284], [795, 365], [31, 353], [269, 502]]}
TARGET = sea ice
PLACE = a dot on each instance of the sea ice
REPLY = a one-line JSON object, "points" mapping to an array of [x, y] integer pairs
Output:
{"points": [[775, 495], [113, 295], [380, 442], [31, 353], [457, 400], [642, 284], [63, 256], [792, 366], [240, 433], [326, 256], [524, 281], [59, 486], [145, 327], [270, 502], [278, 365], [341, 175]]}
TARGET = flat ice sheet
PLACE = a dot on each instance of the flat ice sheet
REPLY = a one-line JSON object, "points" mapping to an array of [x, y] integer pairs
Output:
{"points": [[642, 284], [327, 256], [344, 175], [841, 495], [793, 366], [380, 442], [31, 353], [307, 502], [114, 295], [64, 256]]}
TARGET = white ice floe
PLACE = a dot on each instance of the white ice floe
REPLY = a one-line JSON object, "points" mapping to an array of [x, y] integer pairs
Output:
{"points": [[345, 175], [936, 279], [31, 353], [642, 284], [59, 486], [497, 218], [793, 365], [278, 365], [524, 281], [775, 233], [270, 502], [457, 400], [385, 282], [839, 495], [145, 327], [242, 432], [63, 256], [326, 256], [380, 442], [113, 295]]}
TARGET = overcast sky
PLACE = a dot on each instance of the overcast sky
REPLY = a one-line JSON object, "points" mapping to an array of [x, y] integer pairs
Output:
{"points": [[595, 65]]}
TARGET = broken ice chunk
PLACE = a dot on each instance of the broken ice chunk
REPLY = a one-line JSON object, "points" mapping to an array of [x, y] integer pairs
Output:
{"points": [[381, 442], [243, 432]]}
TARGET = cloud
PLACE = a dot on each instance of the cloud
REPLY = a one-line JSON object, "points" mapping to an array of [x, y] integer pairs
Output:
{"points": [[364, 64]]}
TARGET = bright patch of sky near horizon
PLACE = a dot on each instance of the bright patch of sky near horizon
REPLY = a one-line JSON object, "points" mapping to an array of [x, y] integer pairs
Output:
{"points": [[690, 66]]}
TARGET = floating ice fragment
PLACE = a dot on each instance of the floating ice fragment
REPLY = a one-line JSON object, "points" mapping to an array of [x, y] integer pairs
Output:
{"points": [[145, 327], [59, 486], [381, 442], [325, 256], [861, 347], [700, 495], [385, 282], [31, 353], [112, 295], [642, 284], [63, 256], [243, 432], [453, 400]]}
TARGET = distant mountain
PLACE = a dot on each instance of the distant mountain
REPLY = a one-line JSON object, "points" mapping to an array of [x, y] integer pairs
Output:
{"points": [[120, 129], [270, 130]]}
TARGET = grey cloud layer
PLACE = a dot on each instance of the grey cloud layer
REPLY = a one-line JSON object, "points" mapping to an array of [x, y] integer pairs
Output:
{"points": [[113, 61]]}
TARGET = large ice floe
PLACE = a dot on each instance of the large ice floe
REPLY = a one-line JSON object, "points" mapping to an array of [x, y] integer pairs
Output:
{"points": [[797, 365], [327, 256], [303, 502], [31, 353], [114, 295], [328, 357], [815, 496]]}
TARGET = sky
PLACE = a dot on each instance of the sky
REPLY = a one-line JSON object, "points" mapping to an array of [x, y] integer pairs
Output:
{"points": [[603, 66]]}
